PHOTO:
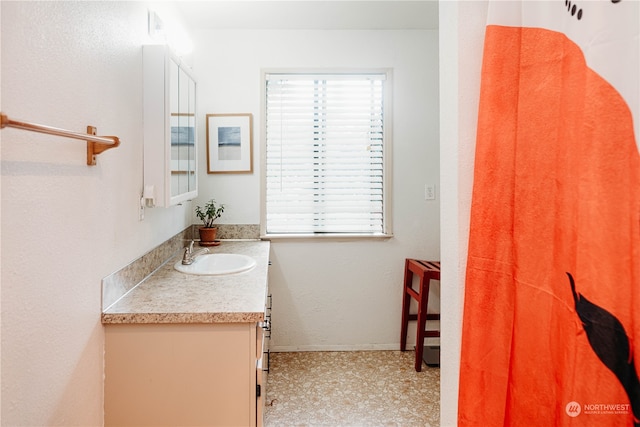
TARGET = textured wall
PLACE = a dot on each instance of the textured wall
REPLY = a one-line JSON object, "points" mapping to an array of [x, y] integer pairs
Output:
{"points": [[66, 225]]}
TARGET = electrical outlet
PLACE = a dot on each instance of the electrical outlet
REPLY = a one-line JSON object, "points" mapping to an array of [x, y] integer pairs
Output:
{"points": [[429, 192]]}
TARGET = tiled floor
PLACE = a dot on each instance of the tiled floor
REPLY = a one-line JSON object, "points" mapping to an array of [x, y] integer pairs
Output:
{"points": [[360, 388]]}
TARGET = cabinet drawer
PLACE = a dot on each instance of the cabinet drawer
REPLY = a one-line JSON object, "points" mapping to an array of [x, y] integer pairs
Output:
{"points": [[260, 341]]}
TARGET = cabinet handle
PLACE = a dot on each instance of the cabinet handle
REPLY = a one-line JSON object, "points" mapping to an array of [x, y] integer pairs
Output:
{"points": [[270, 304], [266, 326]]}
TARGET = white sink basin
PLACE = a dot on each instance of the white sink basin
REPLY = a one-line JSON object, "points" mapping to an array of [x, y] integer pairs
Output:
{"points": [[217, 264]]}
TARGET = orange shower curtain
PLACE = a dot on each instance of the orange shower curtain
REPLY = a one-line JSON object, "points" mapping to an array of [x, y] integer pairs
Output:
{"points": [[552, 299]]}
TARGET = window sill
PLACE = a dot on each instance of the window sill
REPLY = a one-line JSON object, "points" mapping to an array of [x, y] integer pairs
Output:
{"points": [[326, 236]]}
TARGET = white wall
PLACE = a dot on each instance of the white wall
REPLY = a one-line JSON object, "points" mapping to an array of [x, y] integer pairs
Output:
{"points": [[461, 43], [65, 225], [330, 294]]}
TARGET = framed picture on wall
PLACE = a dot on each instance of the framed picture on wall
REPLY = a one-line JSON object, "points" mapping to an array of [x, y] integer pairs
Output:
{"points": [[229, 143]]}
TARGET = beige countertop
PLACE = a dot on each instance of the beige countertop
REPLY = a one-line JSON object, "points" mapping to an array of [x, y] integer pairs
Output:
{"points": [[168, 296]]}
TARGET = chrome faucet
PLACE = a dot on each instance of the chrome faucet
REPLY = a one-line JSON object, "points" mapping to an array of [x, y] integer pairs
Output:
{"points": [[190, 256]]}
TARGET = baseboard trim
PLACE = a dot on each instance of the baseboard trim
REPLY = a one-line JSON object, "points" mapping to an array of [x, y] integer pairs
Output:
{"points": [[362, 347]]}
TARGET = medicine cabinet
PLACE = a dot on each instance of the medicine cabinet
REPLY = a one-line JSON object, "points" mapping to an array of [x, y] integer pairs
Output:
{"points": [[170, 140]]}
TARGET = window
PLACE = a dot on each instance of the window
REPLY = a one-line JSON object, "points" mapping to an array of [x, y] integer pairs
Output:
{"points": [[327, 141]]}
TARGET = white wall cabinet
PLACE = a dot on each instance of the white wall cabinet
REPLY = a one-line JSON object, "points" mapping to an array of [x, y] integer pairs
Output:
{"points": [[184, 374], [170, 133]]}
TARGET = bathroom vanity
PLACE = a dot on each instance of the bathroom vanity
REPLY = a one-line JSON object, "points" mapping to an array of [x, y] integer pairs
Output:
{"points": [[185, 349]]}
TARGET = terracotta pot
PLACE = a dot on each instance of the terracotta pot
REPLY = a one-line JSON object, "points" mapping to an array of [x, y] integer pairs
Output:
{"points": [[207, 235]]}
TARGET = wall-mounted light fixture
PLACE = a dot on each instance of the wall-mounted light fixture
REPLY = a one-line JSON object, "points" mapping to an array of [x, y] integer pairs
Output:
{"points": [[169, 32]]}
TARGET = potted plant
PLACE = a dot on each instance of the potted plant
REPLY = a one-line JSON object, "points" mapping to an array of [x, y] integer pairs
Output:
{"points": [[208, 214]]}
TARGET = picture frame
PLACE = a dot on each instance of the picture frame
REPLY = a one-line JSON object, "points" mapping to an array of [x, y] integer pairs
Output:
{"points": [[229, 143]]}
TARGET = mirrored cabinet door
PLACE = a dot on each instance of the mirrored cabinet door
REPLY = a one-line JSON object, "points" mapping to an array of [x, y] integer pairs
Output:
{"points": [[177, 128], [183, 172], [192, 177], [170, 127]]}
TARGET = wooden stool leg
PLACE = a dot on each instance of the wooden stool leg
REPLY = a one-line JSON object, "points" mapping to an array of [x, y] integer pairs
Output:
{"points": [[406, 303], [422, 320]]}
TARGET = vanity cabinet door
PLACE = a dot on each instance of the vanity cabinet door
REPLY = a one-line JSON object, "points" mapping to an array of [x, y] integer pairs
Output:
{"points": [[180, 374], [261, 375], [263, 336]]}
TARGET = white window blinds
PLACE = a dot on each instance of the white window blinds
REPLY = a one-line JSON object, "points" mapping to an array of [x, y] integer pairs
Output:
{"points": [[325, 139]]}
